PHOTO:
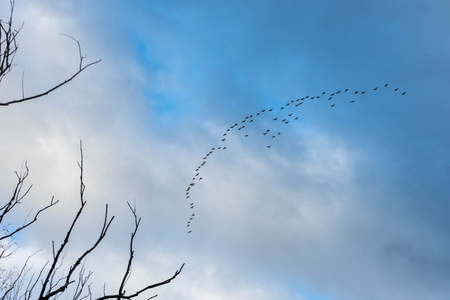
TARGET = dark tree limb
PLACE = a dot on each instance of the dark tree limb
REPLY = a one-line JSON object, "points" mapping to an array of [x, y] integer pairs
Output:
{"points": [[16, 199], [8, 50], [122, 293], [8, 44], [137, 293], [48, 290]]}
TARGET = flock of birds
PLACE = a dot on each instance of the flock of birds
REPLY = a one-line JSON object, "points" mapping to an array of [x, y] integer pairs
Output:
{"points": [[288, 114]]}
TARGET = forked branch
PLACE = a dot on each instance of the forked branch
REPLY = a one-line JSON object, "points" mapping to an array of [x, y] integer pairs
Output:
{"points": [[15, 200], [8, 50], [122, 293]]}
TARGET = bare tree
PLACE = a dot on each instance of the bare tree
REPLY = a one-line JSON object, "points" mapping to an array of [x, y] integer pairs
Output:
{"points": [[54, 279], [48, 283]]}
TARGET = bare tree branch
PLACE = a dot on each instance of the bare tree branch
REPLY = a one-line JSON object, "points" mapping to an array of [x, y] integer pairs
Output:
{"points": [[137, 293], [8, 50], [16, 199], [121, 293], [8, 45], [47, 293]]}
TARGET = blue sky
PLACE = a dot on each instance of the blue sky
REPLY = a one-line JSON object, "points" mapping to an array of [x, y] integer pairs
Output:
{"points": [[349, 202]]}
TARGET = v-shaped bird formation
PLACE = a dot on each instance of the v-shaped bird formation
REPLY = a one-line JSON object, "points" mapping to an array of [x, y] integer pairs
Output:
{"points": [[290, 112]]}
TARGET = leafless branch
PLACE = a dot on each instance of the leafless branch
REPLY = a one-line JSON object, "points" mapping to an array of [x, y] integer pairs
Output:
{"points": [[8, 50], [8, 44], [121, 293], [83, 281], [48, 290], [137, 293], [16, 199]]}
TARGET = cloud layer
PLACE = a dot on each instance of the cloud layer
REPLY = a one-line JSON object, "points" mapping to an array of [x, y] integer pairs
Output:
{"points": [[350, 201]]}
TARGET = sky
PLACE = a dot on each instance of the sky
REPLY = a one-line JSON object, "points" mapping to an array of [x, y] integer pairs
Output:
{"points": [[350, 201]]}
